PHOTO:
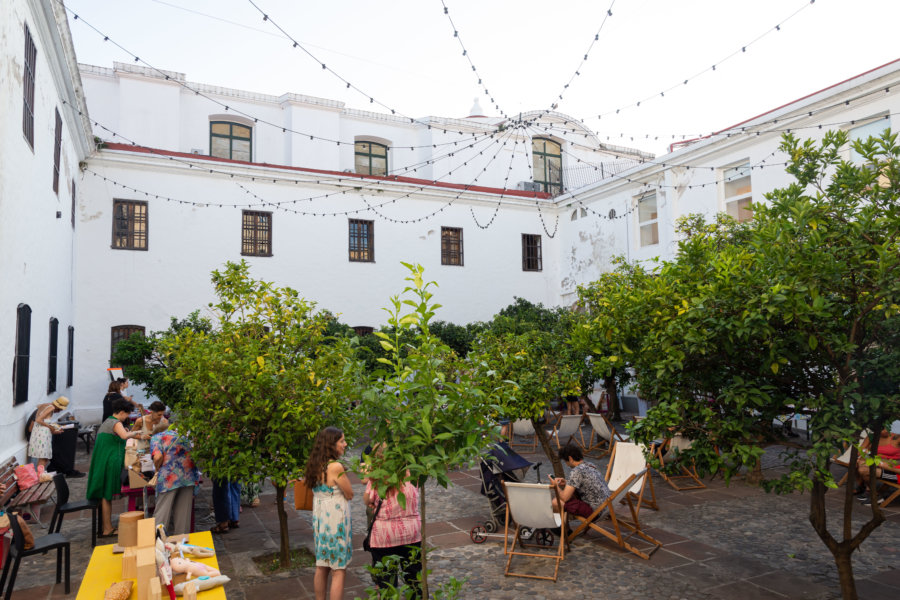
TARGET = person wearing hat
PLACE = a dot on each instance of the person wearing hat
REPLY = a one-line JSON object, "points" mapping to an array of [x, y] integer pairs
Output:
{"points": [[40, 448]]}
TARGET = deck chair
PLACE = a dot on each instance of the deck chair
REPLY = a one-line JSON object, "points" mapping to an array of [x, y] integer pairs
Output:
{"points": [[566, 428], [528, 505], [522, 428], [620, 530], [603, 435], [890, 484], [627, 459], [666, 452], [844, 459]]}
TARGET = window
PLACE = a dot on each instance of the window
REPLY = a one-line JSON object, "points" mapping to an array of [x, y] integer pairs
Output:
{"points": [[57, 147], [362, 330], [362, 240], [230, 140], [872, 128], [120, 333], [738, 192], [371, 158], [648, 220], [452, 246], [28, 88], [23, 354], [70, 360], [531, 252], [256, 233], [53, 349], [547, 165], [73, 204], [129, 225]]}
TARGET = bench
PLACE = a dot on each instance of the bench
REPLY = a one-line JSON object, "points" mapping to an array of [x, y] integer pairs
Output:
{"points": [[23, 500]]}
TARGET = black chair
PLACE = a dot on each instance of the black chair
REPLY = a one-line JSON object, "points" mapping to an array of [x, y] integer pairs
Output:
{"points": [[63, 506], [42, 545]]}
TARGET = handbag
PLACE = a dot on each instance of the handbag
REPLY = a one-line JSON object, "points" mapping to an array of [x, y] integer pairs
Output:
{"points": [[303, 495], [26, 476], [366, 545]]}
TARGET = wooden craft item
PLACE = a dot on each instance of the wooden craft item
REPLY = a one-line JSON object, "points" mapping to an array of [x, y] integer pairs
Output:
{"points": [[128, 527], [146, 533], [203, 583], [154, 591], [129, 563], [190, 590], [121, 590], [146, 570]]}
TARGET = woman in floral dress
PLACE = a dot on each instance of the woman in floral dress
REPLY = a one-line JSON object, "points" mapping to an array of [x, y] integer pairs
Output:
{"points": [[331, 511]]}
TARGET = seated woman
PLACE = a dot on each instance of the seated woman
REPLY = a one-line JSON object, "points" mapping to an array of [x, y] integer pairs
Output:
{"points": [[888, 450], [150, 424], [104, 476]]}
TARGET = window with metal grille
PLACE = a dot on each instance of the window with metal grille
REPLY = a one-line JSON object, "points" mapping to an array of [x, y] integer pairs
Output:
{"points": [[53, 350], [70, 359], [371, 158], [23, 354], [547, 165], [363, 330], [120, 333], [531, 252], [57, 147], [130, 223], [73, 204], [362, 240], [28, 88], [452, 246], [230, 140], [256, 233]]}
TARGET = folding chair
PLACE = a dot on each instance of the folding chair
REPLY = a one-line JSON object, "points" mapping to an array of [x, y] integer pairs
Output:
{"points": [[668, 451], [890, 483], [603, 436], [844, 459], [522, 428], [621, 530], [626, 460], [528, 505], [566, 428]]}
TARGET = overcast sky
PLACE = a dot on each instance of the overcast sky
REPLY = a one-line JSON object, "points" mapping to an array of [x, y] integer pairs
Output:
{"points": [[403, 54]]}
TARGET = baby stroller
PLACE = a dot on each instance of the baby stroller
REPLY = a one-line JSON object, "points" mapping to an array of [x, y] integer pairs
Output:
{"points": [[502, 463]]}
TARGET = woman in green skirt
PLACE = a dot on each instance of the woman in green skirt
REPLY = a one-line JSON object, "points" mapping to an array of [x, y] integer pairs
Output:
{"points": [[107, 460]]}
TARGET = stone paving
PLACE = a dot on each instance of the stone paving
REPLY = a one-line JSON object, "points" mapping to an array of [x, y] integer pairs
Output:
{"points": [[734, 542]]}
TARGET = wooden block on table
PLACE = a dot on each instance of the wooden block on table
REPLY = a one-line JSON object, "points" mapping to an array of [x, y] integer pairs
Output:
{"points": [[146, 533], [128, 527], [146, 570], [190, 591], [129, 563], [154, 590]]}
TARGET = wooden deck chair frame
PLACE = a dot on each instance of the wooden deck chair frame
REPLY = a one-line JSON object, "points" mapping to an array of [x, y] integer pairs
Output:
{"points": [[688, 479], [515, 426], [891, 484], [537, 513], [567, 427], [628, 458], [844, 459], [622, 530], [603, 435]]}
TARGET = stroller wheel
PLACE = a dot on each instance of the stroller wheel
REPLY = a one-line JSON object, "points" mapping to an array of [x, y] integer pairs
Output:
{"points": [[525, 533], [490, 526], [477, 535], [544, 537]]}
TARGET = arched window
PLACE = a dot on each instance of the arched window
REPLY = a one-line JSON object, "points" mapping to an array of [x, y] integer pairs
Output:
{"points": [[23, 354], [371, 158], [230, 140], [547, 165]]}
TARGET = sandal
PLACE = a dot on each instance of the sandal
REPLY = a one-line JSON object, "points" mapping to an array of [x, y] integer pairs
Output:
{"points": [[112, 533], [219, 528], [234, 524]]}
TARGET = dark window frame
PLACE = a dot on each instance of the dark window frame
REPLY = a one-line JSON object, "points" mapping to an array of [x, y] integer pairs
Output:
{"points": [[57, 151], [52, 355], [231, 137], [23, 354], [449, 255], [125, 234], [118, 333], [254, 222], [73, 204], [70, 359], [28, 88], [545, 178], [532, 252], [361, 240], [370, 155]]}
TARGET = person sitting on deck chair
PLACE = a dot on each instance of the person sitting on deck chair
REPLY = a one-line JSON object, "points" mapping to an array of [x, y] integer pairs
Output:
{"points": [[585, 490]]}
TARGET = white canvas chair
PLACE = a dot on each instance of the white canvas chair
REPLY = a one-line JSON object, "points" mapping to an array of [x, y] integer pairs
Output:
{"points": [[620, 531], [603, 435], [844, 459], [528, 505], [566, 428], [626, 460], [522, 428], [667, 452]]}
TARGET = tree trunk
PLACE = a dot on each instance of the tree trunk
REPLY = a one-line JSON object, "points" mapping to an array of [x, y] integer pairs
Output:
{"points": [[424, 555], [612, 396], [282, 522], [754, 475], [541, 434], [843, 550]]}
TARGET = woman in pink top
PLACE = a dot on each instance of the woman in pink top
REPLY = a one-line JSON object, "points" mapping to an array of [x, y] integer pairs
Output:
{"points": [[396, 531]]}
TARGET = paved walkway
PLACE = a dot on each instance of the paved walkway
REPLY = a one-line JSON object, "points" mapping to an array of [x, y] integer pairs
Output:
{"points": [[734, 542]]}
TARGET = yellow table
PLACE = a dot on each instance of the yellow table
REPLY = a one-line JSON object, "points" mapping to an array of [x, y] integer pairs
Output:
{"points": [[105, 569]]}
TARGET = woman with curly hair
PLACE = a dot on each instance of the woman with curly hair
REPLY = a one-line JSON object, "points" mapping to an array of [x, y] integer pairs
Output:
{"points": [[331, 511]]}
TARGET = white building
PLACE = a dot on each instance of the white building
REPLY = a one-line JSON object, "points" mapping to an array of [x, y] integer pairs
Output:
{"points": [[326, 199]]}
